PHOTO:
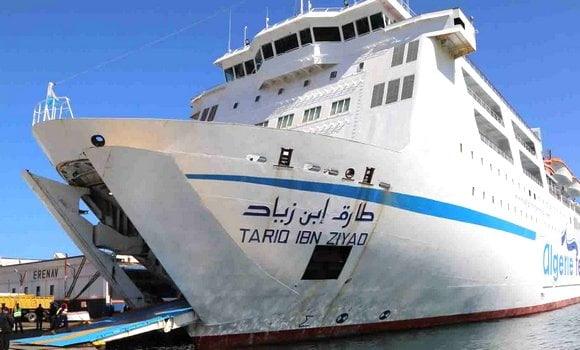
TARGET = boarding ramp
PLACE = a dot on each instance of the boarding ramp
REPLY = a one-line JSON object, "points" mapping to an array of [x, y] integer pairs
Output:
{"points": [[166, 318]]}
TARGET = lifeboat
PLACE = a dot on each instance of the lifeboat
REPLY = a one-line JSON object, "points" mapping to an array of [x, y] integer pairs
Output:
{"points": [[574, 189], [562, 173]]}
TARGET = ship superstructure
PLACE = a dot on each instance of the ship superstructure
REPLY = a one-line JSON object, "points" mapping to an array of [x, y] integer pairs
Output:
{"points": [[355, 172]]}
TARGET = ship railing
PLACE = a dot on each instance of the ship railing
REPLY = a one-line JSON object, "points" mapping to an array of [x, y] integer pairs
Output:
{"points": [[403, 3], [511, 108], [526, 146], [52, 108], [485, 106], [533, 177], [495, 148]]}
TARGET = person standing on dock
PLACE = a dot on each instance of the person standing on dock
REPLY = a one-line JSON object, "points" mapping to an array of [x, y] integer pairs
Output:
{"points": [[6, 324], [18, 318], [39, 311], [52, 319]]}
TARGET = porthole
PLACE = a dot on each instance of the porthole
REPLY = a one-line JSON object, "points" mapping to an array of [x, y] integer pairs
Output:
{"points": [[98, 140]]}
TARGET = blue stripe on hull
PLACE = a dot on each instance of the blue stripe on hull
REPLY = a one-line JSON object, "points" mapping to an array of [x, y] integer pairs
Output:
{"points": [[393, 199]]}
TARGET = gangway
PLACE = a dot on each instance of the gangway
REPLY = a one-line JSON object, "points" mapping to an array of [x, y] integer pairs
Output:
{"points": [[165, 317]]}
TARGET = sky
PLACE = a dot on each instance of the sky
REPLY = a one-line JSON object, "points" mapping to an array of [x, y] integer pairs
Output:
{"points": [[529, 50]]}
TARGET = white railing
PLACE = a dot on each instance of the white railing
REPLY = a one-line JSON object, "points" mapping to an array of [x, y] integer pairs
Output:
{"points": [[484, 77], [533, 177], [495, 148], [526, 146], [52, 108], [486, 106]]}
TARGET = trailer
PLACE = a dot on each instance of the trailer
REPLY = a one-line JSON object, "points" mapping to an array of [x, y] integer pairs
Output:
{"points": [[28, 303]]}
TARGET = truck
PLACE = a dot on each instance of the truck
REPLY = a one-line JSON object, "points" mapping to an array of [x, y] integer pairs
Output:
{"points": [[28, 303]]}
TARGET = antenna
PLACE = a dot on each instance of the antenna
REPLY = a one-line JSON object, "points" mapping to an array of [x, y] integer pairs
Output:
{"points": [[309, 5], [230, 32], [301, 7], [267, 18], [246, 41]]}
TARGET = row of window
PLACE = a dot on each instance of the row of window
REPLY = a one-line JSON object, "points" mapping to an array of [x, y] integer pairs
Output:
{"points": [[393, 89], [51, 291], [305, 37], [311, 114], [399, 53], [208, 114], [542, 202]]}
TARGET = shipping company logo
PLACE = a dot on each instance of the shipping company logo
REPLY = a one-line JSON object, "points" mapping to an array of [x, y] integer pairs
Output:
{"points": [[562, 264]]}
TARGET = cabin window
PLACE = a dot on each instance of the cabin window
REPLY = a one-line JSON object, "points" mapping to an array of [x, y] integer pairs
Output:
{"points": [[257, 99], [268, 51], [229, 73], [13, 290], [285, 121], [258, 60], [333, 74], [263, 124], [212, 113], [51, 290], [195, 115], [348, 31], [311, 114], [398, 54], [378, 92], [408, 83], [412, 51], [339, 107], [306, 83], [235, 105], [204, 114], [362, 26], [377, 21], [250, 67], [25, 290], [305, 37], [239, 70], [280, 91], [393, 91], [286, 44], [37, 291], [326, 34], [361, 67]]}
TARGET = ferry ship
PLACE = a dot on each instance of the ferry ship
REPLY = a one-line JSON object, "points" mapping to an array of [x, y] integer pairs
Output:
{"points": [[354, 173]]}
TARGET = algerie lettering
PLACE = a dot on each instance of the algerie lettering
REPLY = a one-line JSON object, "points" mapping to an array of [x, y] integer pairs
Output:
{"points": [[43, 274], [558, 265], [282, 236]]}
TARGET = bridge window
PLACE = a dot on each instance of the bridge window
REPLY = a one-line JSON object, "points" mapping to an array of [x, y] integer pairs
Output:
{"points": [[326, 34], [339, 107], [286, 44], [258, 60], [362, 26], [285, 121], [348, 31], [239, 70], [377, 21], [305, 37], [229, 73], [268, 51], [195, 115], [263, 124], [250, 67]]}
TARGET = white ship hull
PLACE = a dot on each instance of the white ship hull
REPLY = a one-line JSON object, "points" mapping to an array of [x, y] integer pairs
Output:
{"points": [[458, 222], [417, 252]]}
